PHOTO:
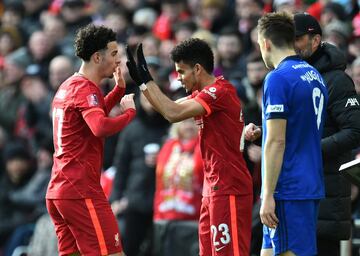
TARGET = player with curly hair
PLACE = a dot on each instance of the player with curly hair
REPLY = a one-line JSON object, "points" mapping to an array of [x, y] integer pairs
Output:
{"points": [[225, 215], [79, 209]]}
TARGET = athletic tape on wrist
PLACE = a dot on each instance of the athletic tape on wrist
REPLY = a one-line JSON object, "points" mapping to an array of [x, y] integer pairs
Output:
{"points": [[143, 87]]}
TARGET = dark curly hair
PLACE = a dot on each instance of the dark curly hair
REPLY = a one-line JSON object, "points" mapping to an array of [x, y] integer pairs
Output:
{"points": [[90, 39], [193, 51]]}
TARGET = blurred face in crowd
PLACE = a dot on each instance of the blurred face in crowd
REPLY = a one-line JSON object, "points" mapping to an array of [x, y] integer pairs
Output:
{"points": [[116, 22], [129, 5], [17, 168], [165, 49], [12, 73], [72, 14], [40, 45], [6, 44], [183, 34], [55, 29], [32, 6], [247, 8], [229, 47], [256, 72], [34, 88], [187, 129], [60, 69], [150, 46], [172, 10], [210, 13], [10, 19]]}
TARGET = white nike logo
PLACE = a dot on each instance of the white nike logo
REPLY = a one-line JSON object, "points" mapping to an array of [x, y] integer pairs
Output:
{"points": [[218, 249]]}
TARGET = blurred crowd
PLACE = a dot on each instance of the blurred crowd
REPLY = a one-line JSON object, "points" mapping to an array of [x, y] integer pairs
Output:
{"points": [[37, 55]]}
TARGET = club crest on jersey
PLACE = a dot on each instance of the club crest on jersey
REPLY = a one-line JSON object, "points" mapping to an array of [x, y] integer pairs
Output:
{"points": [[212, 89], [92, 100]]}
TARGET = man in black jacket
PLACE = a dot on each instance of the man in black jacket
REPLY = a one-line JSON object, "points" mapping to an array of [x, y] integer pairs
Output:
{"points": [[341, 131]]}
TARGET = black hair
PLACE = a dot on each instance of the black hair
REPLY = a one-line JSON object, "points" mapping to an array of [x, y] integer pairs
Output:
{"points": [[194, 51], [91, 39]]}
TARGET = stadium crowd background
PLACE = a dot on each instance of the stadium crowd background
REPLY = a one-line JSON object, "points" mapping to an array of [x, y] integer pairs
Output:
{"points": [[37, 55]]}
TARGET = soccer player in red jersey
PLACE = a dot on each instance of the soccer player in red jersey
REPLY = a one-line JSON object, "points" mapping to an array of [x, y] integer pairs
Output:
{"points": [[82, 216], [225, 215]]}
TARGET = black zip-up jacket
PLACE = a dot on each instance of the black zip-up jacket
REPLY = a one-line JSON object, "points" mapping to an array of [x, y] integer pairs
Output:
{"points": [[134, 179], [341, 135]]}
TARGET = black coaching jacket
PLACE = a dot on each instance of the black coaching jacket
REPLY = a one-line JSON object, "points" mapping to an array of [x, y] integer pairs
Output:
{"points": [[341, 135]]}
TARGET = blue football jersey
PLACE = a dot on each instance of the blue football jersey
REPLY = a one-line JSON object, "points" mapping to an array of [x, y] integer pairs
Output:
{"points": [[295, 91]]}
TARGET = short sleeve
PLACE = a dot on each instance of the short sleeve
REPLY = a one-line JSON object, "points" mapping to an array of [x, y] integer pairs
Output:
{"points": [[211, 98], [275, 98]]}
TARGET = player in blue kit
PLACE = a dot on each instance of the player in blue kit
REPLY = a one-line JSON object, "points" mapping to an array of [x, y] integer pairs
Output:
{"points": [[294, 104]]}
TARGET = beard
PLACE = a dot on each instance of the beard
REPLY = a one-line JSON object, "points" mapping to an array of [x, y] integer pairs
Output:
{"points": [[304, 53]]}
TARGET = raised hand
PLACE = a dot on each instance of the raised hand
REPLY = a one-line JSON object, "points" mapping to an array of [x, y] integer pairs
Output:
{"points": [[127, 102], [131, 65], [119, 78], [142, 67]]}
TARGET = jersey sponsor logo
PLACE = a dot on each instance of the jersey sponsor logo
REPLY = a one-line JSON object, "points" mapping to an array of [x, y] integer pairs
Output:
{"points": [[213, 95], [275, 109], [92, 100], [352, 102]]}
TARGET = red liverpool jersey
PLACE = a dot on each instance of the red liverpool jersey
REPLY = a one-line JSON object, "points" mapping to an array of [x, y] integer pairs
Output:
{"points": [[78, 153], [222, 140]]}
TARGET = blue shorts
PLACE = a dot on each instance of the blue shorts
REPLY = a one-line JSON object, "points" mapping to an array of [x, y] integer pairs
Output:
{"points": [[296, 230]]}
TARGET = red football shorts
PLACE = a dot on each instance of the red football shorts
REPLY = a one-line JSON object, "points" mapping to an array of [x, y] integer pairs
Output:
{"points": [[87, 226], [225, 225]]}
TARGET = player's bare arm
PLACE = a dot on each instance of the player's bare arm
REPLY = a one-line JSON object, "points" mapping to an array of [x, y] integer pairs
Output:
{"points": [[172, 111], [273, 158]]}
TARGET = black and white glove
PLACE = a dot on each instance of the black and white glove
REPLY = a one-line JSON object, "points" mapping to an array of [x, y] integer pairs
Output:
{"points": [[142, 67], [131, 65]]}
